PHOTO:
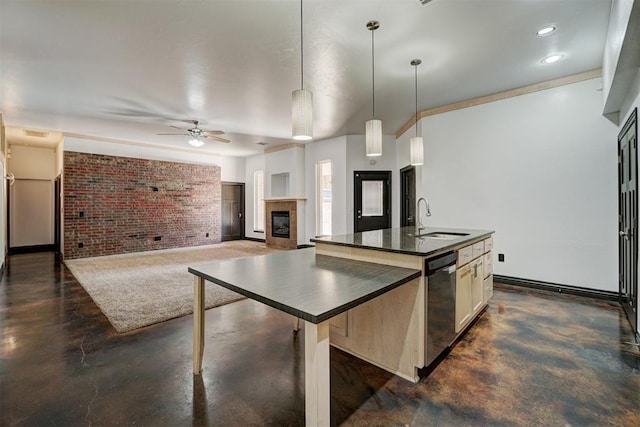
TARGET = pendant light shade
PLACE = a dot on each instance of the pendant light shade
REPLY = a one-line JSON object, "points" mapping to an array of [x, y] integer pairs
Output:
{"points": [[302, 101], [373, 127], [302, 114], [416, 144], [373, 138]]}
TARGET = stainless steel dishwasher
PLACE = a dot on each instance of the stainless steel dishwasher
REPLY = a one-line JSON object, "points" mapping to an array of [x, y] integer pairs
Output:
{"points": [[441, 304]]}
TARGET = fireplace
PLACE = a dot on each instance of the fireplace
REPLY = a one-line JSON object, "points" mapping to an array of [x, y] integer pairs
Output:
{"points": [[283, 223], [280, 225]]}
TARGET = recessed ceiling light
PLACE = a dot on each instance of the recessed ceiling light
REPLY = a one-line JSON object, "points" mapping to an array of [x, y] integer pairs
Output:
{"points": [[551, 59], [546, 30]]}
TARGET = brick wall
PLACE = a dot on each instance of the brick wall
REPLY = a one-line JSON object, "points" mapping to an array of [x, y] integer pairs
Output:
{"points": [[115, 205]]}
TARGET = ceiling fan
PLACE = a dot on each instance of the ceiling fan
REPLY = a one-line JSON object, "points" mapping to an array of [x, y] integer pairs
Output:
{"points": [[197, 135]]}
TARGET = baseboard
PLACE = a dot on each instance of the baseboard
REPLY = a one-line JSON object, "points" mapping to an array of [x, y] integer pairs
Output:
{"points": [[556, 287], [31, 249], [253, 239]]}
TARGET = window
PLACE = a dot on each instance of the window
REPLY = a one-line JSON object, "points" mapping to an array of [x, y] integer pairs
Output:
{"points": [[323, 198], [258, 201]]}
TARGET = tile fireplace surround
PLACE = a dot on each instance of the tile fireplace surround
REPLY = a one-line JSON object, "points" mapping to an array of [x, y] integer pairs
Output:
{"points": [[290, 205]]}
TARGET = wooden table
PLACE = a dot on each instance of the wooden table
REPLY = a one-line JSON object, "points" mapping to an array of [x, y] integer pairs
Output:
{"points": [[311, 287]]}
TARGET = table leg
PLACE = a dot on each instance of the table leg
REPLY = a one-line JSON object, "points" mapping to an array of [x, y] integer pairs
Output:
{"points": [[198, 324], [316, 369]]}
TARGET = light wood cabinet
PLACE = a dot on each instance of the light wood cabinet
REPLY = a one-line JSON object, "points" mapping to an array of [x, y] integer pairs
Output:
{"points": [[464, 306]]}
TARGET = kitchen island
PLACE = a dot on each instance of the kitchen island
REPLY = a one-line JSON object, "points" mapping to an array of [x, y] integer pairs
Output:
{"points": [[363, 293], [391, 331], [312, 287]]}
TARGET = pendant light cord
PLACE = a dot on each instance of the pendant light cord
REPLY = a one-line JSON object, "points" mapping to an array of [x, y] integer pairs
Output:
{"points": [[301, 50], [416, 86], [373, 76]]}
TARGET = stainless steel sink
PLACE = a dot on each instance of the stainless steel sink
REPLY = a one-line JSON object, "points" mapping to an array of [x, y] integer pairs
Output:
{"points": [[442, 235]]}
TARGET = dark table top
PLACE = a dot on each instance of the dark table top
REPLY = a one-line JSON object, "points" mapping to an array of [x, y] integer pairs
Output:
{"points": [[309, 286], [403, 240]]}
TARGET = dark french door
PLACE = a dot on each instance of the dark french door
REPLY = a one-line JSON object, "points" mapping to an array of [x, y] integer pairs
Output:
{"points": [[408, 196], [628, 218], [372, 200]]}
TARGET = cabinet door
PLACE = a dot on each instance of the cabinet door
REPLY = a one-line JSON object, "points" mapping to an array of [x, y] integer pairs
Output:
{"points": [[463, 297], [477, 285], [488, 289]]}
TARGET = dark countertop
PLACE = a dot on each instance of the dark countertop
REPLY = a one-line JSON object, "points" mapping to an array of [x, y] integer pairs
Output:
{"points": [[309, 286], [401, 240]]}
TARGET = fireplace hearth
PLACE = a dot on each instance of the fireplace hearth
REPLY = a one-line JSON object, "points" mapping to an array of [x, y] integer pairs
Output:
{"points": [[280, 224]]}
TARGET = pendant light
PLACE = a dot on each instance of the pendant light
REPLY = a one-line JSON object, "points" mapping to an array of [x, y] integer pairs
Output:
{"points": [[302, 101], [416, 144], [373, 127]]}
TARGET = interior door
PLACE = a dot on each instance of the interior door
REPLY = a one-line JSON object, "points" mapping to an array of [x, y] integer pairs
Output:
{"points": [[372, 200], [628, 218], [232, 211], [408, 196]]}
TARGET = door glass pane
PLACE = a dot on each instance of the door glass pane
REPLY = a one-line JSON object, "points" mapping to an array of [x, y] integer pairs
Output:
{"points": [[372, 198]]}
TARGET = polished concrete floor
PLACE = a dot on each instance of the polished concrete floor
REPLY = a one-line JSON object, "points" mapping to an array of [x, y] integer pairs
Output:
{"points": [[534, 358]]}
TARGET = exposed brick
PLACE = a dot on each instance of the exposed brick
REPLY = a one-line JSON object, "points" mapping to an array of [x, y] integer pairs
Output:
{"points": [[123, 212]]}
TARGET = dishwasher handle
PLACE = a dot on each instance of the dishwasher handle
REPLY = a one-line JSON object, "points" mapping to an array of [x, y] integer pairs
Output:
{"points": [[440, 263]]}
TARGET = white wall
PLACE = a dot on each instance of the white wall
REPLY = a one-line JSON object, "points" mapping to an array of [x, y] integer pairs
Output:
{"points": [[32, 205], [618, 21], [539, 169], [231, 168], [357, 160], [289, 161], [252, 164], [3, 194], [335, 150]]}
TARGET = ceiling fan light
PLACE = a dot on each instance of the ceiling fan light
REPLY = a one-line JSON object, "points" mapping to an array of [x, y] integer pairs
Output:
{"points": [[373, 137], [196, 142], [416, 148], [302, 114]]}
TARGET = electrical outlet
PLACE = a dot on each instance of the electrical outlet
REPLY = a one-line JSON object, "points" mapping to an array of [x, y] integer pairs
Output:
{"points": [[81, 214], [500, 257], [207, 235], [81, 245], [157, 238]]}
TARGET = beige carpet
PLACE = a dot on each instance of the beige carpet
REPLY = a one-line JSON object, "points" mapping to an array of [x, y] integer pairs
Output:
{"points": [[139, 289]]}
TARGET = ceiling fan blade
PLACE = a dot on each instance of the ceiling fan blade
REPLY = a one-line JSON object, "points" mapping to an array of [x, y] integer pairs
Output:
{"points": [[217, 138], [176, 127], [192, 122], [214, 132], [184, 134]]}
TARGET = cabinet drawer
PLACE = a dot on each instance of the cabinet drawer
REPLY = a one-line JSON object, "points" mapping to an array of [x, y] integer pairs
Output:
{"points": [[478, 249], [465, 255], [488, 244], [488, 264]]}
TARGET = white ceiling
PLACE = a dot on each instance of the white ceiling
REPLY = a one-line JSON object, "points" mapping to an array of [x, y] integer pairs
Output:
{"points": [[129, 69]]}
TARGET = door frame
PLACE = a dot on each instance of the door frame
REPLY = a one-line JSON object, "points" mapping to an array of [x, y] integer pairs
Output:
{"points": [[57, 217], [629, 301]]}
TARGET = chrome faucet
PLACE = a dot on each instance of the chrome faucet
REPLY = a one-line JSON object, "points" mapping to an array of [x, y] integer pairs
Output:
{"points": [[419, 225]]}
